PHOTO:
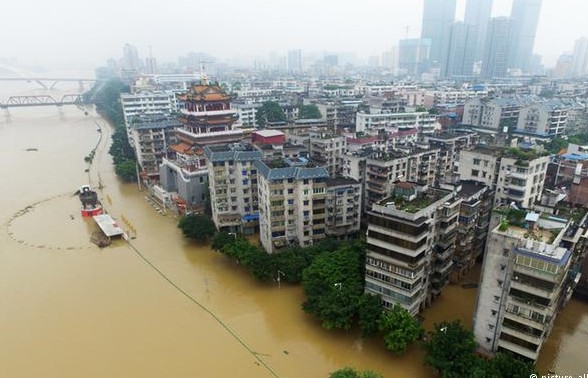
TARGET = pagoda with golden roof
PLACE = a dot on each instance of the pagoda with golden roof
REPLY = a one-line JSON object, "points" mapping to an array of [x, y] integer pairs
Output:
{"points": [[206, 115]]}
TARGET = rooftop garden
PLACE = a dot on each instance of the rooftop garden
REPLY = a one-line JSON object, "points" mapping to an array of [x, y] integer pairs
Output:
{"points": [[523, 156], [413, 206], [514, 220], [276, 163], [573, 213]]}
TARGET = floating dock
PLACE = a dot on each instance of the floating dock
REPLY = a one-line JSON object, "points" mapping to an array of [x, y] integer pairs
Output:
{"points": [[108, 225]]}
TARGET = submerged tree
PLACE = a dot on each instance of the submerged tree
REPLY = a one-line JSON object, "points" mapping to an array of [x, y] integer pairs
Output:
{"points": [[197, 226]]}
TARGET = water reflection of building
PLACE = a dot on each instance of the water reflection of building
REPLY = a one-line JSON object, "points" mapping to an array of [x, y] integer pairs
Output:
{"points": [[207, 118]]}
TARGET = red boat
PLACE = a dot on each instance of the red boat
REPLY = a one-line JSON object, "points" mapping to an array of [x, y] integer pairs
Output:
{"points": [[90, 204]]}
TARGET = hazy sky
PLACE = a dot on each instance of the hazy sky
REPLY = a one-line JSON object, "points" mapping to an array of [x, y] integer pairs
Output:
{"points": [[82, 33]]}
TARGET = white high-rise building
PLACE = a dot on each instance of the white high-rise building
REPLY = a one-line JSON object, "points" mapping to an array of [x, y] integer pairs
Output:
{"points": [[580, 57]]}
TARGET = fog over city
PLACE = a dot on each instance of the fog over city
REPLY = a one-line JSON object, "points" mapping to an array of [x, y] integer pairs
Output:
{"points": [[83, 34]]}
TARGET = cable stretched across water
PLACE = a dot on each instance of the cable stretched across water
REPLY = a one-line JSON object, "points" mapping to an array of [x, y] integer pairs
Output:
{"points": [[212, 314]]}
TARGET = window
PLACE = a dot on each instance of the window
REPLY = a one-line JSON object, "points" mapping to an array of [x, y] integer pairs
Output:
{"points": [[305, 181], [477, 161], [290, 191], [306, 203], [475, 172], [290, 202], [245, 182]]}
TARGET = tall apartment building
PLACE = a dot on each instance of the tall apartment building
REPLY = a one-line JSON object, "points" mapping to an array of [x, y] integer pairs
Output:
{"points": [[458, 55], [517, 176], [497, 48], [477, 13], [449, 146], [579, 64], [525, 282], [384, 169], [474, 219], [326, 150], [410, 242], [151, 136], [343, 205], [521, 179], [425, 122], [443, 97], [493, 114], [525, 16], [292, 203], [233, 187], [438, 15], [543, 120], [413, 55], [147, 103], [480, 164]]}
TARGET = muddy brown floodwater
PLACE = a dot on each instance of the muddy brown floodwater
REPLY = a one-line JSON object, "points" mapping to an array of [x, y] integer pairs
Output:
{"points": [[163, 306]]}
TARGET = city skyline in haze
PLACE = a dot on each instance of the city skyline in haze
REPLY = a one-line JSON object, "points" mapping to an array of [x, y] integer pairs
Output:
{"points": [[70, 34]]}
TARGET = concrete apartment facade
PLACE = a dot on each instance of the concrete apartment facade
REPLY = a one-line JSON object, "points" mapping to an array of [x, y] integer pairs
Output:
{"points": [[410, 242], [292, 203], [525, 283], [233, 187], [343, 204], [543, 120], [151, 135]]}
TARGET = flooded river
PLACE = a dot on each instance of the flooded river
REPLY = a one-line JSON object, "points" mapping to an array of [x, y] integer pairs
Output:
{"points": [[163, 306]]}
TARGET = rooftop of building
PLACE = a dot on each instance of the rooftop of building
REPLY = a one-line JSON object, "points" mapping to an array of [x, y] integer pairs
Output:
{"points": [[231, 151], [523, 154], [341, 181], [295, 168], [523, 224], [446, 135], [487, 150], [470, 188], [154, 121], [408, 198], [268, 133]]}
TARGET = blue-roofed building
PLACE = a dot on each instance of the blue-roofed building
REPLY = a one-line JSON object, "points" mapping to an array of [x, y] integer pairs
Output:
{"points": [[527, 277], [233, 186], [292, 202]]}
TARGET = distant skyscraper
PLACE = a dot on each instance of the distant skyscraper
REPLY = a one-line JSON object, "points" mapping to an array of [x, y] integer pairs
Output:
{"points": [[413, 55], [131, 59], [525, 16], [438, 15], [563, 67], [478, 13], [331, 60], [459, 51], [390, 58], [580, 57], [295, 61], [497, 47]]}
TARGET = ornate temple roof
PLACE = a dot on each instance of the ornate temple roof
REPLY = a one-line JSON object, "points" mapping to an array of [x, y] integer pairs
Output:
{"points": [[201, 92]]}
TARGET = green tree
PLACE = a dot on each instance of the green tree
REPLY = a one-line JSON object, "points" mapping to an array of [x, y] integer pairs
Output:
{"points": [[126, 170], [333, 284], [197, 226], [450, 351], [400, 329], [353, 373], [504, 365], [221, 239], [269, 111], [309, 112], [369, 311]]}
